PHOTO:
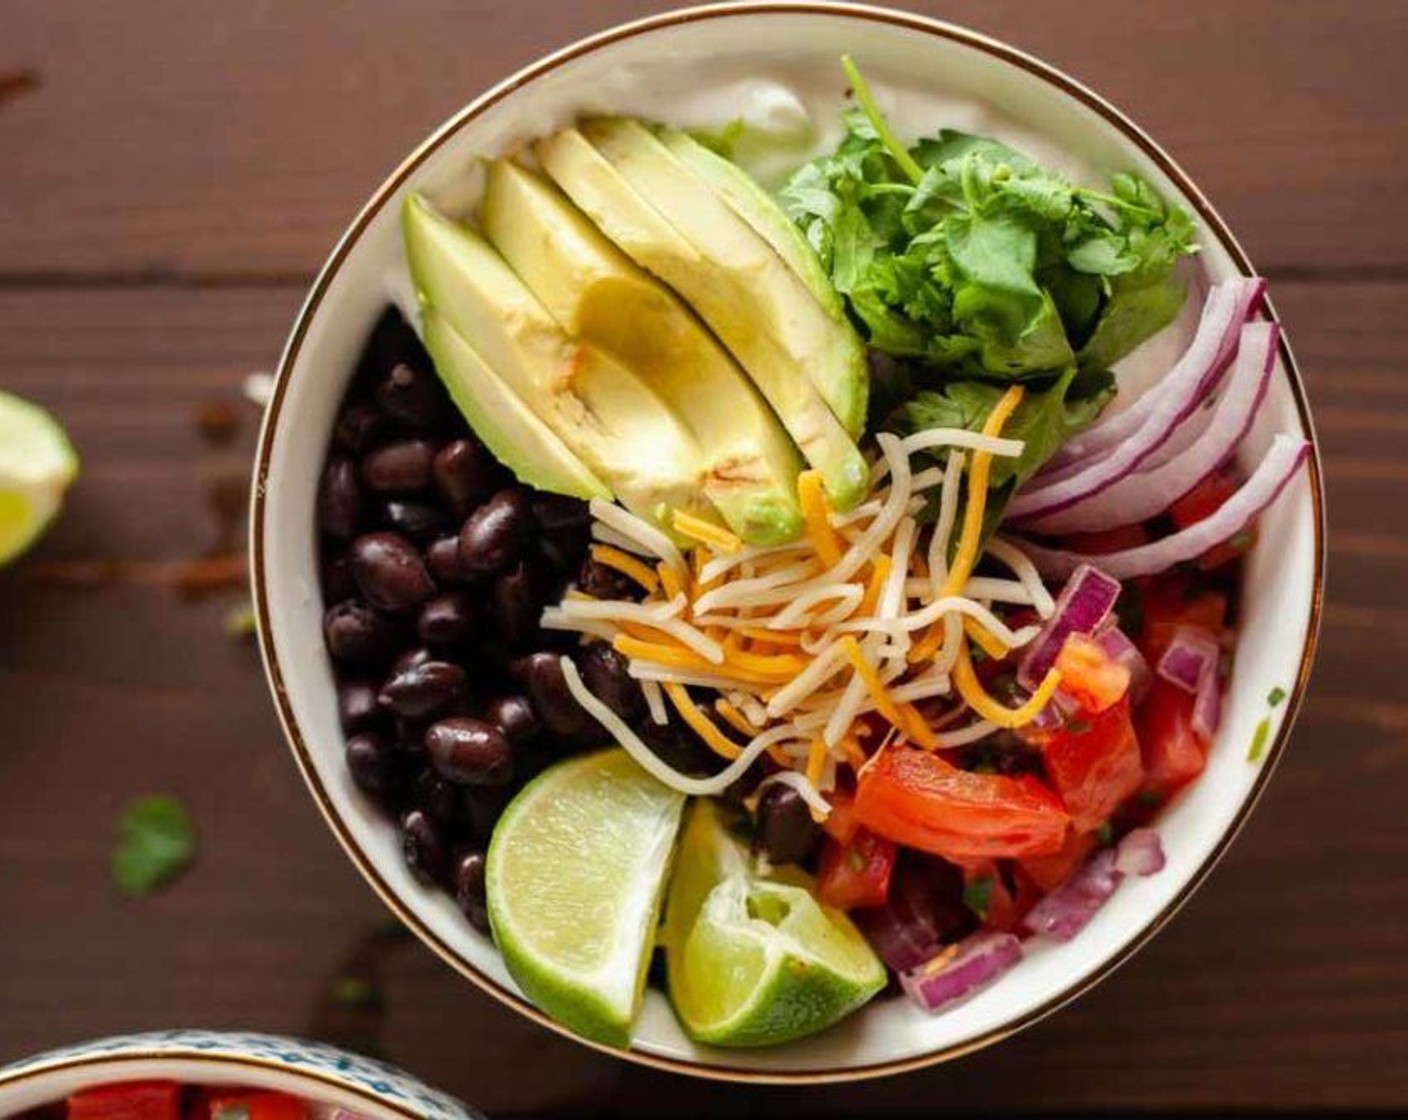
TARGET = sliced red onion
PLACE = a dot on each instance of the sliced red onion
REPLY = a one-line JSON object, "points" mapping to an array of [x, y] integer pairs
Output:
{"points": [[1276, 469], [1146, 493], [924, 908], [1141, 852], [1207, 706], [1228, 305], [1190, 657], [1119, 649], [1065, 911], [951, 977], [1083, 605]]}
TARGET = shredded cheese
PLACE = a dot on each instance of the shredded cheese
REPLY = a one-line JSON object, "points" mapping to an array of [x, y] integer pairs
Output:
{"points": [[705, 532], [971, 689], [627, 565], [817, 513]]}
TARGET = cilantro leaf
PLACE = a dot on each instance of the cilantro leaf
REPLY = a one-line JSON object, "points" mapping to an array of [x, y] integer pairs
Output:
{"points": [[977, 895], [155, 844]]}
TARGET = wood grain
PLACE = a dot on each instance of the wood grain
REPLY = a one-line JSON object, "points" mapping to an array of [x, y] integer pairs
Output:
{"points": [[1280, 985], [174, 138]]}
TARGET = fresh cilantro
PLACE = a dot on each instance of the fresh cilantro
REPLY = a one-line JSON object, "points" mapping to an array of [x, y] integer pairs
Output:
{"points": [[1259, 738], [1276, 696], [1105, 834], [969, 257], [977, 894], [1078, 726], [155, 844], [355, 991]]}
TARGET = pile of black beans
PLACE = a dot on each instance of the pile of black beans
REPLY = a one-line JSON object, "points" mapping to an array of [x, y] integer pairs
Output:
{"points": [[436, 565]]}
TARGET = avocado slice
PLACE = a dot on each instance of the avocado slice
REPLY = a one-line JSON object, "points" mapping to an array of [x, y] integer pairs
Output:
{"points": [[508, 428], [611, 420], [722, 287], [756, 207], [598, 294]]}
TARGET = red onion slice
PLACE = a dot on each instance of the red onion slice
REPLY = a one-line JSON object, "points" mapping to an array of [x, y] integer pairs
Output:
{"points": [[1083, 605], [1228, 305], [1068, 909], [1119, 649], [1179, 394], [951, 977], [1207, 706], [1140, 853], [1147, 493], [1276, 469], [1190, 657]]}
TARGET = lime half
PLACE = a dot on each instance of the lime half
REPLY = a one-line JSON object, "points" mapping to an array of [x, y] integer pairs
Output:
{"points": [[576, 871], [37, 464], [755, 960]]}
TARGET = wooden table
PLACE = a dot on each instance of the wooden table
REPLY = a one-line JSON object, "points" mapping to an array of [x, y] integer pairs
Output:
{"points": [[172, 173]]}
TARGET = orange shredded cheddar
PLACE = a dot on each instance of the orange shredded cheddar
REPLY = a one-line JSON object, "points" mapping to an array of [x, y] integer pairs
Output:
{"points": [[873, 684], [971, 689], [627, 565], [855, 754], [816, 759], [817, 514], [916, 727], [984, 639], [701, 724], [716, 536], [879, 573], [669, 580], [734, 718]]}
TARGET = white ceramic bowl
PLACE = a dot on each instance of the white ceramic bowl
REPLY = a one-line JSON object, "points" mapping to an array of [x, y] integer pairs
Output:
{"points": [[311, 1070], [687, 65]]}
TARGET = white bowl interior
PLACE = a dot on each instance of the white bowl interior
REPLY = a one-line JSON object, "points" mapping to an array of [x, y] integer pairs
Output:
{"points": [[924, 81]]}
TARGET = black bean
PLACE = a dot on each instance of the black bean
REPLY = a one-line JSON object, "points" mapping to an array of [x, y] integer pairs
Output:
{"points": [[356, 635], [421, 521], [339, 499], [411, 659], [359, 428], [604, 672], [391, 340], [602, 582], [557, 511], [390, 572], [470, 891], [470, 751], [557, 709], [514, 608], [446, 620], [423, 690], [402, 467], [373, 763], [785, 825], [357, 709], [441, 800], [485, 804], [336, 578], [679, 747], [424, 847], [513, 715], [443, 558], [410, 736], [412, 397], [465, 474], [494, 535], [561, 554]]}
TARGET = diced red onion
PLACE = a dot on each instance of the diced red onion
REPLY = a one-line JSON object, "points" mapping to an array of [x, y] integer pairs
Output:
{"points": [[1065, 911], [923, 909], [1190, 657], [1140, 853], [1143, 494], [1276, 469], [1228, 305], [1119, 649], [944, 981], [902, 943], [1083, 605], [1207, 706]]}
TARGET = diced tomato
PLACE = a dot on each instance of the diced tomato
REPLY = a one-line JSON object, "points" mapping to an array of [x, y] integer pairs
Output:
{"points": [[1093, 763], [1203, 501], [1108, 540], [1172, 752], [257, 1106], [131, 1100], [841, 824], [1089, 676], [1173, 601], [917, 799], [1049, 872], [856, 874], [1000, 895]]}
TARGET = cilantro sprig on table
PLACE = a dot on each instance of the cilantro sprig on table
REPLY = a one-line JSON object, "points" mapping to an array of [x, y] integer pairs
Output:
{"points": [[156, 842]]}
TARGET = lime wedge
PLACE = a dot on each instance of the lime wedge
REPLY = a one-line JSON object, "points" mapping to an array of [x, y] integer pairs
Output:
{"points": [[755, 960], [37, 464], [576, 871]]}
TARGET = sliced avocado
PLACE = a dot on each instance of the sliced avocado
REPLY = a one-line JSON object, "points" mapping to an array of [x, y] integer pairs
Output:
{"points": [[598, 294], [515, 437], [605, 414], [828, 350], [722, 290], [756, 207]]}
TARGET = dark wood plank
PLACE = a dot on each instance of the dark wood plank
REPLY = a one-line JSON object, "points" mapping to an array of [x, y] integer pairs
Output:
{"points": [[1280, 985], [173, 137]]}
